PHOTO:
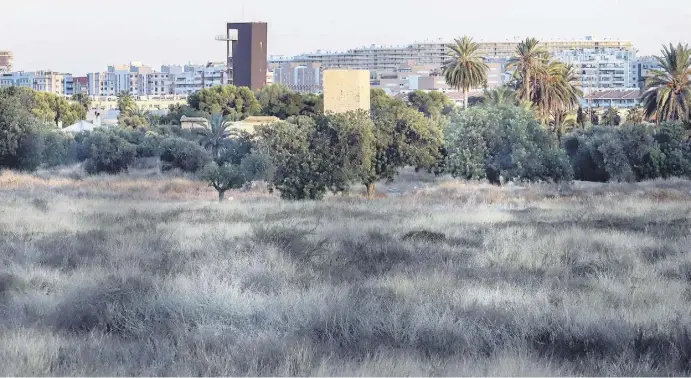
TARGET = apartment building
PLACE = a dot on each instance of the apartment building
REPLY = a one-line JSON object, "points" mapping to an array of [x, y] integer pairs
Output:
{"points": [[642, 67], [601, 69], [195, 78], [308, 77], [17, 79], [44, 81], [80, 85], [6, 61], [611, 54]]}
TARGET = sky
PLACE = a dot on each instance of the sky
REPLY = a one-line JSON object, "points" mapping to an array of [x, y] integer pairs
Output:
{"points": [[80, 36]]}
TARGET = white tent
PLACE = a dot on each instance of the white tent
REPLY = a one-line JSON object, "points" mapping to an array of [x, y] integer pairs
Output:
{"points": [[79, 127]]}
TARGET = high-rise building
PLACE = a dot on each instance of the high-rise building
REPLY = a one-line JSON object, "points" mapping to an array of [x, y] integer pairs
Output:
{"points": [[642, 66], [603, 68], [6, 60], [249, 56]]}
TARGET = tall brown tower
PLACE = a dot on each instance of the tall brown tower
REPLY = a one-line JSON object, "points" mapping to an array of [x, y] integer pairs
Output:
{"points": [[249, 54]]}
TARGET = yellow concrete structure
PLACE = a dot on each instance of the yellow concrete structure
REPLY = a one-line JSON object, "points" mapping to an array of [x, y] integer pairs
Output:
{"points": [[346, 90]]}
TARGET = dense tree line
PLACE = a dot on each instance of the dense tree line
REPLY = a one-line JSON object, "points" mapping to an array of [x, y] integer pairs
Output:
{"points": [[528, 130]]}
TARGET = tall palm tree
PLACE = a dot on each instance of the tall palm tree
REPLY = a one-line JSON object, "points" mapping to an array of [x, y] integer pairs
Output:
{"points": [[213, 136], [611, 117], [530, 57], [555, 91], [500, 96], [465, 68], [667, 91], [635, 116]]}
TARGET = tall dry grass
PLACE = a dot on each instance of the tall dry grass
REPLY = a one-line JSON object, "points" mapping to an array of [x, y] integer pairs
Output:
{"points": [[134, 276]]}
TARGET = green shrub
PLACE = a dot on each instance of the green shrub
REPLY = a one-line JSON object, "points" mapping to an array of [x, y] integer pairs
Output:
{"points": [[257, 166], [183, 154], [628, 153], [58, 148], [503, 142], [107, 153]]}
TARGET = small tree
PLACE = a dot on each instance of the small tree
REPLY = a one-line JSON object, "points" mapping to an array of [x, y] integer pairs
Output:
{"points": [[224, 177], [402, 137]]}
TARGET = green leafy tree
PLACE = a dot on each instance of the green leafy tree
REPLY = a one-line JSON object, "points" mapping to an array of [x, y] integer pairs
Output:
{"points": [[224, 177], [402, 137], [226, 99], [529, 59], [465, 69], [313, 157], [380, 100], [667, 92], [611, 117], [183, 154], [432, 104], [503, 143], [108, 153]]}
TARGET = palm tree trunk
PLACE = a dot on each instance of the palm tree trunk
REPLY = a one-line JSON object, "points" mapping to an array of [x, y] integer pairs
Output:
{"points": [[465, 98], [527, 85]]}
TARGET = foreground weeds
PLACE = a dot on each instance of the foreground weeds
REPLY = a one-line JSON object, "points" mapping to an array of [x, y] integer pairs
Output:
{"points": [[452, 279]]}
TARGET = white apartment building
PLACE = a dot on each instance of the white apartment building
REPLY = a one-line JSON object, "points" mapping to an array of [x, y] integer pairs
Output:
{"points": [[602, 68], [607, 55], [44, 81], [196, 78]]}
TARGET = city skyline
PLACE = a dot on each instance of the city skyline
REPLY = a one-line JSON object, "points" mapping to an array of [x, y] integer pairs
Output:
{"points": [[160, 32]]}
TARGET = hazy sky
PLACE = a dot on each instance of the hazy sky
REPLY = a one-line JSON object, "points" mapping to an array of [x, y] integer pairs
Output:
{"points": [[79, 36]]}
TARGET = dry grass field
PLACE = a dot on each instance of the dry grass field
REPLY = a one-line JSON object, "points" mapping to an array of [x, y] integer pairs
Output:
{"points": [[143, 274]]}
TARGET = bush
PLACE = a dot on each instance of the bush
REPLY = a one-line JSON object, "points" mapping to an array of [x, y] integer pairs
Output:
{"points": [[183, 154], [503, 142], [257, 166], [628, 153], [107, 153], [58, 149]]}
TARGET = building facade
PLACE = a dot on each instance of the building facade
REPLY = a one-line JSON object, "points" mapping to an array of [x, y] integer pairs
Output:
{"points": [[249, 54], [346, 90], [6, 61], [196, 78], [299, 77], [642, 67], [44, 81], [599, 69]]}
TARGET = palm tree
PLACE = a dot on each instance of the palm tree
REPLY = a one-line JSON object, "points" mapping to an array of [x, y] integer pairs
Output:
{"points": [[465, 68], [555, 91], [667, 91], [635, 116], [500, 96], [213, 136], [611, 117], [125, 102], [82, 99], [529, 59]]}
